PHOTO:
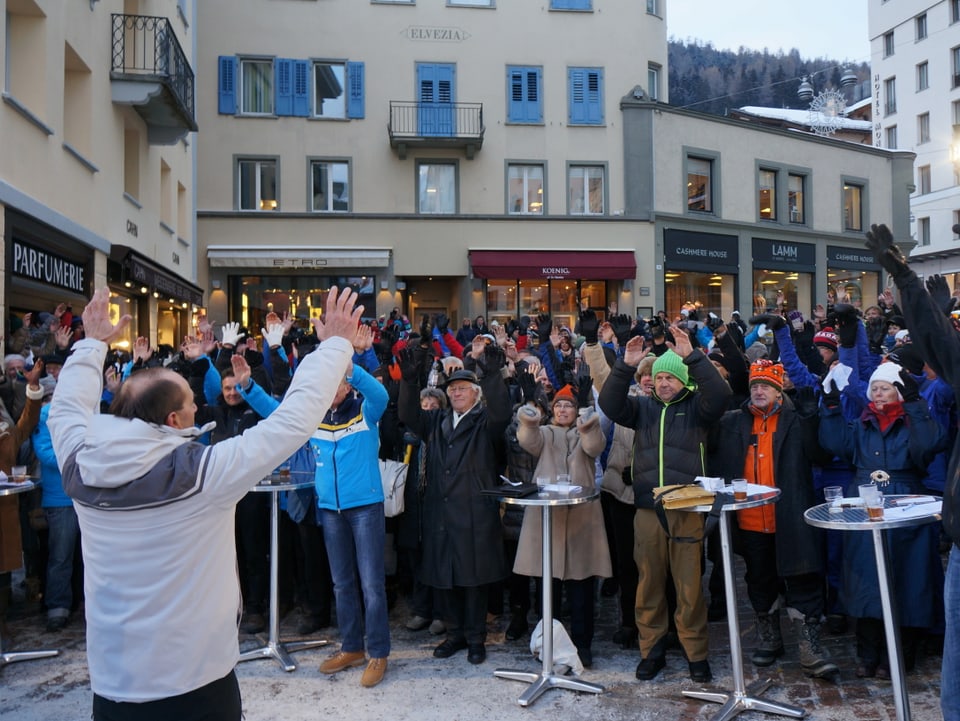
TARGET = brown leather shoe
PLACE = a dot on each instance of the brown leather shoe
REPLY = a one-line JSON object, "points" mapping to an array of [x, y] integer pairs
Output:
{"points": [[341, 660], [373, 673]]}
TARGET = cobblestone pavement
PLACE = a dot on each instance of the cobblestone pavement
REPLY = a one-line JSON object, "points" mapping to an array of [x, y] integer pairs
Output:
{"points": [[418, 686]]}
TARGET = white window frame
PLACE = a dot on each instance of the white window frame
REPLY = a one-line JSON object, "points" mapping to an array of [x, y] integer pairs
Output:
{"points": [[329, 196], [923, 179], [767, 181], [888, 44], [654, 73], [891, 137], [923, 76], [920, 25], [343, 99], [923, 128], [923, 231], [526, 178], [890, 95], [579, 193], [441, 206], [260, 164]]}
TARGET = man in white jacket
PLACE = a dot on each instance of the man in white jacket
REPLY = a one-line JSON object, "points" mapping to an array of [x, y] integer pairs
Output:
{"points": [[156, 513]]}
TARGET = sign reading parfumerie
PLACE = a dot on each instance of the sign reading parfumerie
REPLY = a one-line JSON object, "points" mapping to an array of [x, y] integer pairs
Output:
{"points": [[45, 267]]}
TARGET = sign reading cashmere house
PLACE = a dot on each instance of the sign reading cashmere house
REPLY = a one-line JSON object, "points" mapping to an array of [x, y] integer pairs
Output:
{"points": [[689, 250], [46, 267]]}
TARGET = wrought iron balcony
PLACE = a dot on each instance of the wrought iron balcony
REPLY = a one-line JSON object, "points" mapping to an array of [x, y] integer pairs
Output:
{"points": [[435, 125], [150, 72]]}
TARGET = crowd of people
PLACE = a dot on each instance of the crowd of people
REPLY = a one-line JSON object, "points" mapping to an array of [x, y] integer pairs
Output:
{"points": [[626, 405]]}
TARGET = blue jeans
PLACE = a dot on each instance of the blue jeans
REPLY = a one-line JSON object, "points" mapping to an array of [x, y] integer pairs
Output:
{"points": [[950, 673], [64, 532], [355, 541]]}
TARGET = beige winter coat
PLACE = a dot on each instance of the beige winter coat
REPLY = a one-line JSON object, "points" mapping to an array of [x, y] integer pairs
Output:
{"points": [[579, 542]]}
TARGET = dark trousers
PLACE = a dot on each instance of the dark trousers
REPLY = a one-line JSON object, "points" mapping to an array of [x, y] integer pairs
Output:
{"points": [[217, 701], [621, 517], [465, 613], [315, 586], [802, 592], [253, 550]]}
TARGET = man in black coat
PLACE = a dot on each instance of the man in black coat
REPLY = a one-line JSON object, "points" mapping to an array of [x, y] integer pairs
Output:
{"points": [[770, 442], [462, 535]]}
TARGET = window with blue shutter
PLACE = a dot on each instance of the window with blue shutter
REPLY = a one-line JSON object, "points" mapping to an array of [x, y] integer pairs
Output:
{"points": [[283, 83], [571, 4], [355, 98], [524, 95], [227, 93], [585, 96]]}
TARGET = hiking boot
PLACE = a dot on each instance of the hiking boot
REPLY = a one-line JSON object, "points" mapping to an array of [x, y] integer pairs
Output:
{"points": [[700, 671], [518, 627], [253, 623], [345, 659], [437, 627], [770, 645], [417, 623], [649, 667], [373, 673], [814, 659]]}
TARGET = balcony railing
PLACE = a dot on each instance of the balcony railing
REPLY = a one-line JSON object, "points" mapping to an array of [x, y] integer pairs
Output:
{"points": [[146, 52], [435, 125]]}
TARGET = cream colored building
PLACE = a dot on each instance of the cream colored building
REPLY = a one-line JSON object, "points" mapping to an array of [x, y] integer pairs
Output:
{"points": [[97, 160], [502, 158], [915, 60]]}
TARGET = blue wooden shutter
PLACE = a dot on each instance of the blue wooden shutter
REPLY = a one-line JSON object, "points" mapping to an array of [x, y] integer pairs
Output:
{"points": [[523, 90], [283, 86], [585, 89], [301, 88], [227, 94], [355, 97]]}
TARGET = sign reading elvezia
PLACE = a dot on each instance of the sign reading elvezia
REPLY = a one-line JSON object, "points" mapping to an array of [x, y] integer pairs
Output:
{"points": [[435, 34]]}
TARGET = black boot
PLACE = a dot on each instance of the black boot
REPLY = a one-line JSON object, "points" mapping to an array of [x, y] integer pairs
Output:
{"points": [[518, 627]]}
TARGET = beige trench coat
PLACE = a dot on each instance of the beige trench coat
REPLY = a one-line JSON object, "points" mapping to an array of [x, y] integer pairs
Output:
{"points": [[579, 541]]}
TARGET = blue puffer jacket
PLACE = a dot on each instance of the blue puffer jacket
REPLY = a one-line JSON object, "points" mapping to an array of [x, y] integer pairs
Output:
{"points": [[346, 444]]}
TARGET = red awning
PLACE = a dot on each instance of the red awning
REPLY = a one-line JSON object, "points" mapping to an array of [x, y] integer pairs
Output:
{"points": [[583, 264]]}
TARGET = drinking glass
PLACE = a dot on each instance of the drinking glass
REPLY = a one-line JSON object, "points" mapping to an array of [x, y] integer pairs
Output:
{"points": [[833, 496], [739, 489]]}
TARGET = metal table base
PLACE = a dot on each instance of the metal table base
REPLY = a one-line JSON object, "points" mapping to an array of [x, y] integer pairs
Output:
{"points": [[274, 647], [547, 679], [741, 698], [14, 656]]}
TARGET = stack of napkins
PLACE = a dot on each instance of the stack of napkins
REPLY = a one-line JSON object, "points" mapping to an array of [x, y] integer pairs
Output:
{"points": [[557, 488]]}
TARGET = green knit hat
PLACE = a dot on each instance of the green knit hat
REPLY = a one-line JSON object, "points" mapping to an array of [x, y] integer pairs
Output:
{"points": [[673, 364]]}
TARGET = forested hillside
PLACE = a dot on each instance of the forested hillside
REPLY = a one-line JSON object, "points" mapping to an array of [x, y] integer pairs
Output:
{"points": [[712, 81]]}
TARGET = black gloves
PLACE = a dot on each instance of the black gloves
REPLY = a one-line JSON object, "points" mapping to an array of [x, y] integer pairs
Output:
{"points": [[426, 330], [409, 365], [805, 401], [544, 328], [528, 386], [908, 387], [589, 326], [585, 392], [847, 324], [735, 333], [940, 292], [876, 332], [773, 321], [621, 328], [656, 327], [442, 322], [880, 241], [831, 399]]}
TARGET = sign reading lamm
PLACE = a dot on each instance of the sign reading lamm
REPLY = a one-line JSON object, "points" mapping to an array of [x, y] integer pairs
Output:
{"points": [[35, 264]]}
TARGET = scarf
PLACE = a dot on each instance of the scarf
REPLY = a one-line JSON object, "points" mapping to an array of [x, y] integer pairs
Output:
{"points": [[887, 415]]}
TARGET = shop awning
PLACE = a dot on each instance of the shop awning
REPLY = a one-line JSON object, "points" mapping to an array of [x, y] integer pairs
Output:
{"points": [[139, 269], [584, 264]]}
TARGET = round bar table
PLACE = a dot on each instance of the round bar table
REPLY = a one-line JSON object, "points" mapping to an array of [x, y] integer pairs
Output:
{"points": [[741, 698], [13, 656], [547, 679], [274, 647], [899, 512]]}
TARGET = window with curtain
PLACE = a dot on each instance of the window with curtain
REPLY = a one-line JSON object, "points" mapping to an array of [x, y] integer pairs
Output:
{"points": [[795, 198], [330, 190], [767, 200], [525, 189], [257, 184], [585, 190], [256, 87], [699, 186], [853, 206], [437, 188]]}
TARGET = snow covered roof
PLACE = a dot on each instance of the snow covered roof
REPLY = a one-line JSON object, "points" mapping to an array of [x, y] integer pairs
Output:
{"points": [[802, 117]]}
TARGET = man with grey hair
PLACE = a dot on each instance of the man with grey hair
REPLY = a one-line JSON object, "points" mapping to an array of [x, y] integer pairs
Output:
{"points": [[156, 514]]}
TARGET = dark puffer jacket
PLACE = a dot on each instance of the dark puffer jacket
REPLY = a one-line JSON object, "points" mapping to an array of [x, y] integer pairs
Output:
{"points": [[670, 441]]}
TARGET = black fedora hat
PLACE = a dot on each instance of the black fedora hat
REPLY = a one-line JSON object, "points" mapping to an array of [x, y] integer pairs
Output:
{"points": [[463, 375]]}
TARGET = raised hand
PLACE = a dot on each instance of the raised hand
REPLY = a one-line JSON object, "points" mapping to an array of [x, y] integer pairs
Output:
{"points": [[527, 379], [681, 341], [141, 349], [940, 292], [230, 334], [192, 348], [32, 376], [112, 379], [409, 365], [241, 370], [272, 334], [544, 327], [342, 315], [589, 326], [477, 347], [287, 323], [634, 351], [96, 318], [880, 241], [63, 336], [364, 339], [500, 333], [585, 393], [621, 327], [908, 387], [204, 326]]}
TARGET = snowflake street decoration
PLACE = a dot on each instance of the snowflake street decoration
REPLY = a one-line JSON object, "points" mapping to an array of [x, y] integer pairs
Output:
{"points": [[827, 112]]}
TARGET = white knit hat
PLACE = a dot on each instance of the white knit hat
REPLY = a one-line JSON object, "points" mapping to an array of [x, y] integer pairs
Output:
{"points": [[888, 373]]}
